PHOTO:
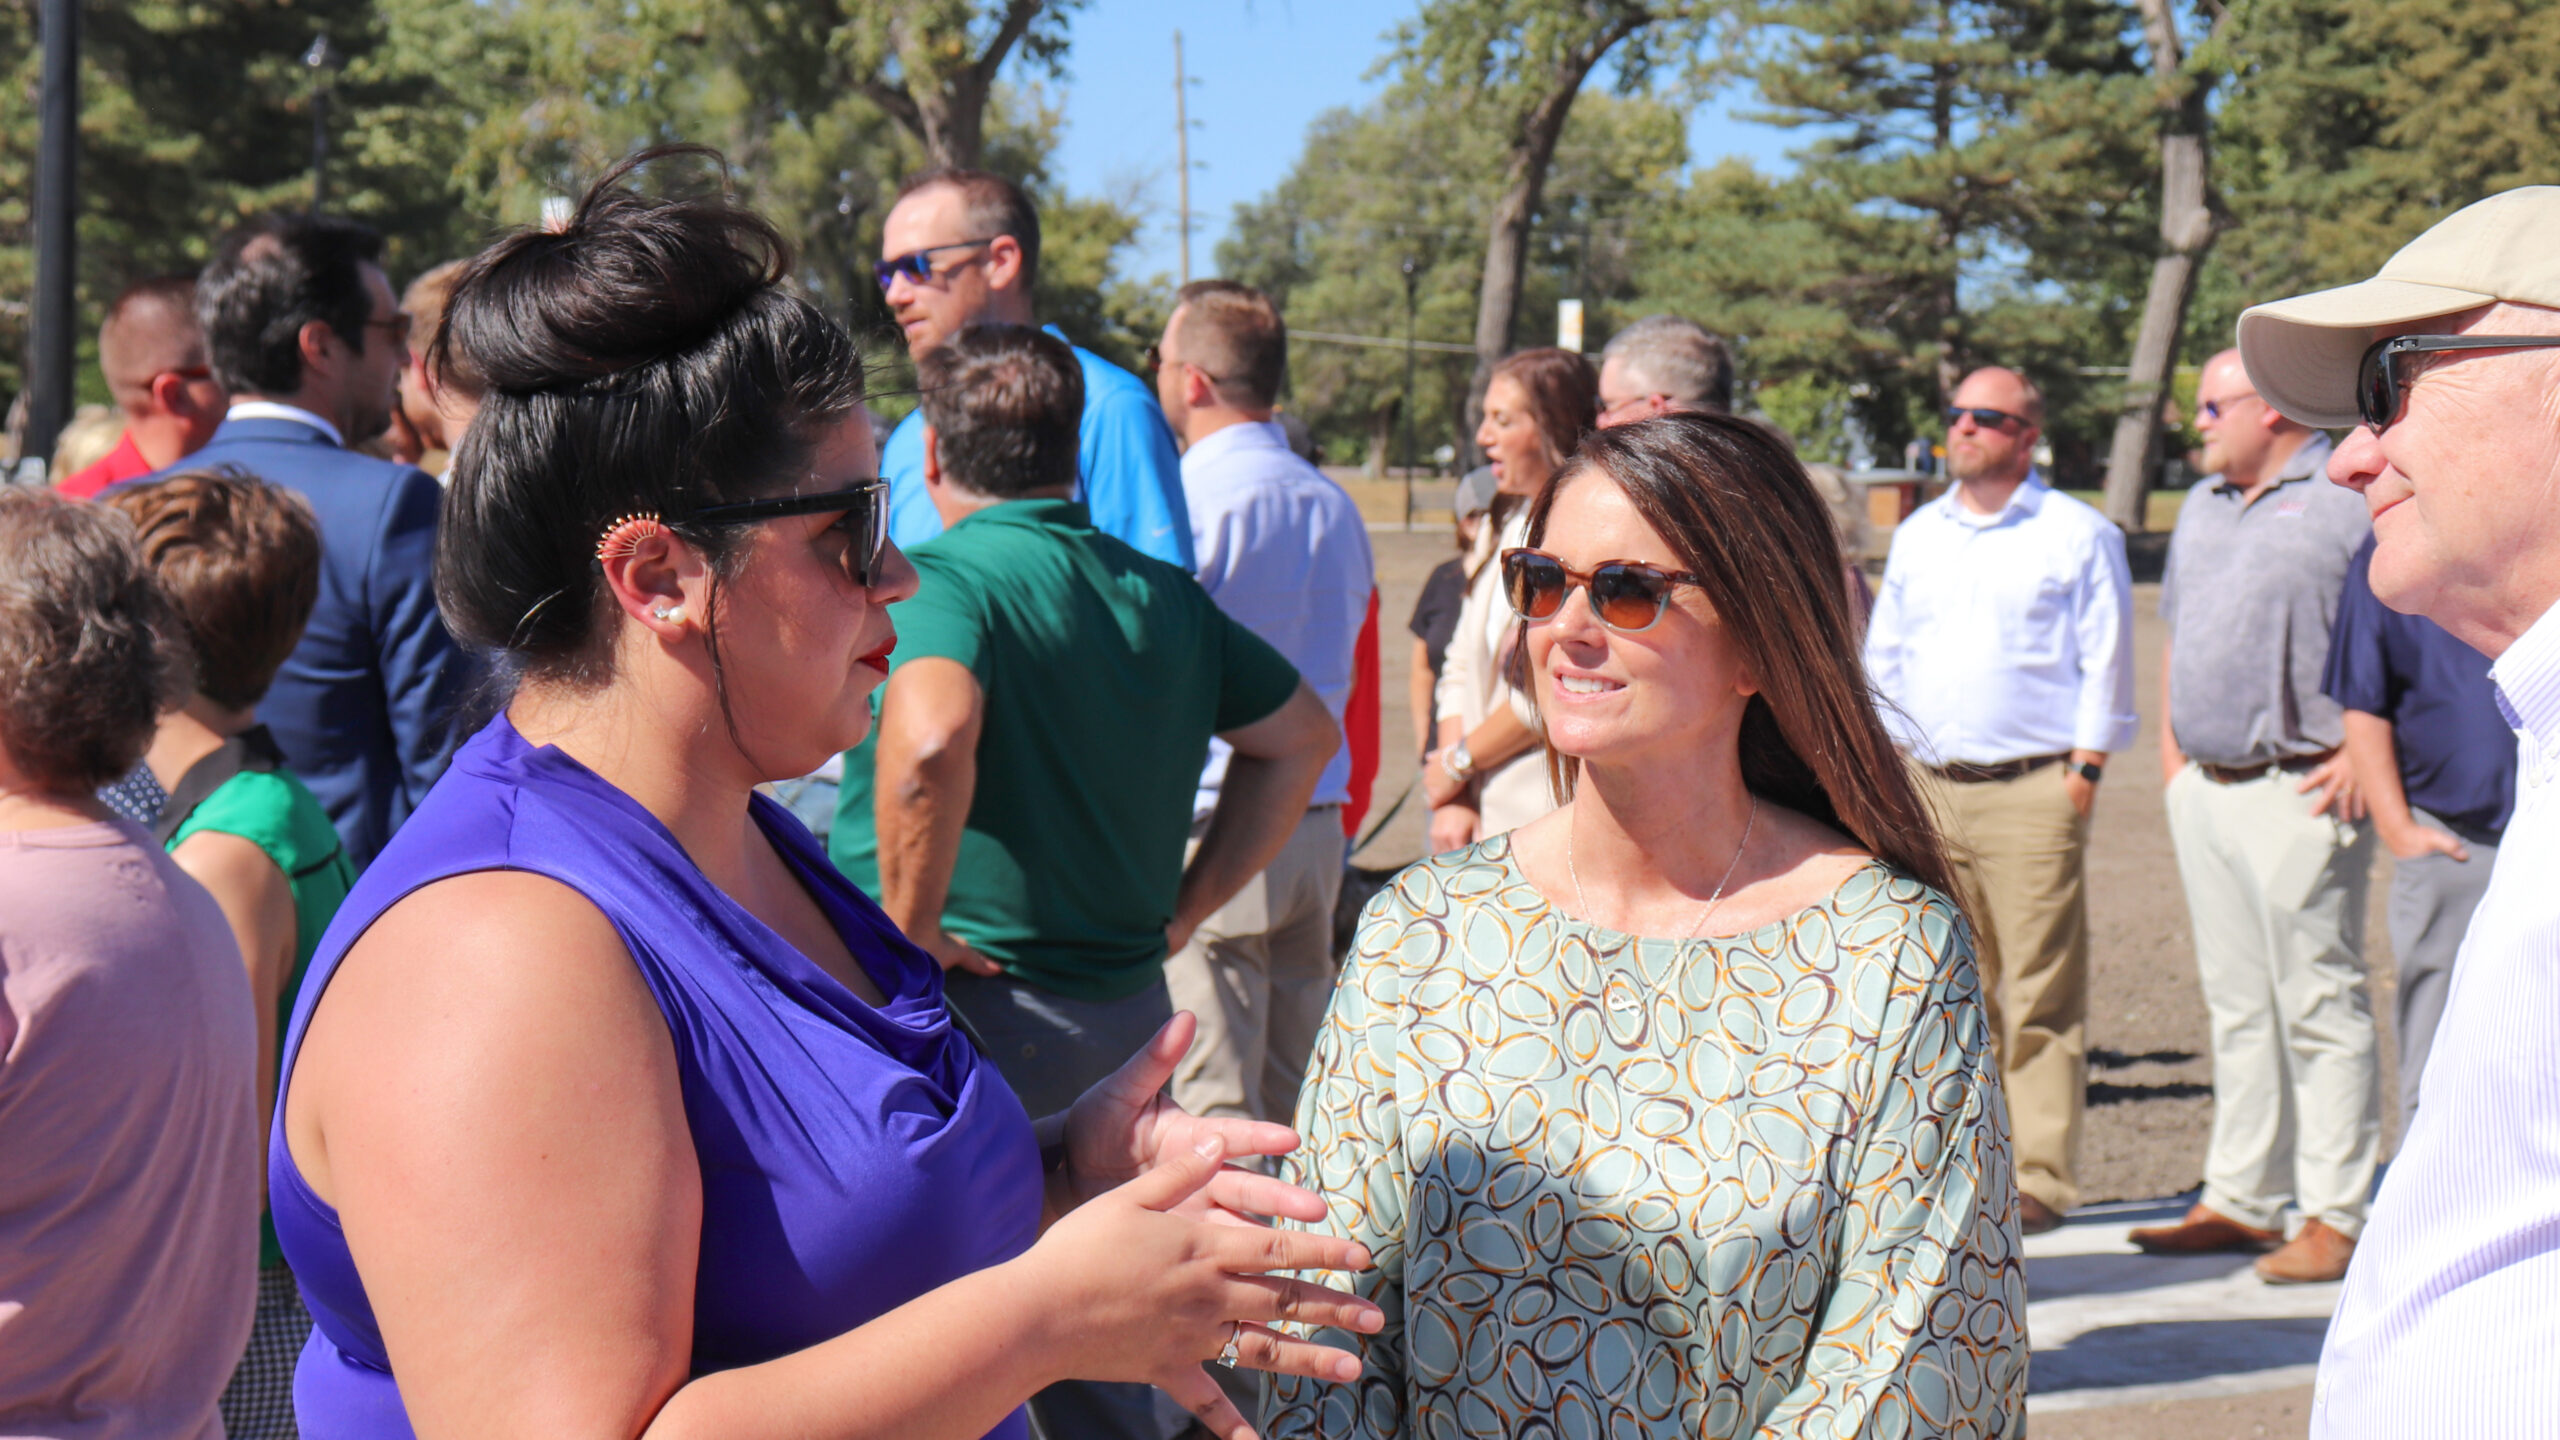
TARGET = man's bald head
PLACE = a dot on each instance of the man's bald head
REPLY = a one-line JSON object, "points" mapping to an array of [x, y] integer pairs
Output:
{"points": [[2245, 439], [150, 331], [2000, 450], [2007, 390]]}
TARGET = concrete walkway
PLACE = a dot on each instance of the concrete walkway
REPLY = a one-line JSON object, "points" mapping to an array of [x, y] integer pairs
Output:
{"points": [[2113, 1326]]}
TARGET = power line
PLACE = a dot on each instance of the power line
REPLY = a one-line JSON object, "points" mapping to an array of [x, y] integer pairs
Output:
{"points": [[1329, 338]]}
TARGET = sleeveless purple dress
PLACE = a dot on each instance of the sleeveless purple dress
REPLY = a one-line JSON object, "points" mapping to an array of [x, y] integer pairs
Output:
{"points": [[852, 1158]]}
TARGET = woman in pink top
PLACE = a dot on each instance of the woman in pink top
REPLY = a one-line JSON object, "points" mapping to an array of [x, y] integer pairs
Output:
{"points": [[128, 1045]]}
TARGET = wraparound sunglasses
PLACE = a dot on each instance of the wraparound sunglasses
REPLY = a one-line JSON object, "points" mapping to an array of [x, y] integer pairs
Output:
{"points": [[1628, 596], [917, 265], [865, 521], [2380, 392]]}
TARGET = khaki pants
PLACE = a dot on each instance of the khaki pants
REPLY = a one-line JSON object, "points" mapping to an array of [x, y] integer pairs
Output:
{"points": [[1259, 974], [2278, 899], [2019, 849]]}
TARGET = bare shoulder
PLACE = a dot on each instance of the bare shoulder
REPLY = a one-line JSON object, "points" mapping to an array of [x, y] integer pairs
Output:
{"points": [[476, 993]]}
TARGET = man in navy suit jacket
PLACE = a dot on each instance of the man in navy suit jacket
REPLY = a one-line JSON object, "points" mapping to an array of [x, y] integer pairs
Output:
{"points": [[300, 323]]}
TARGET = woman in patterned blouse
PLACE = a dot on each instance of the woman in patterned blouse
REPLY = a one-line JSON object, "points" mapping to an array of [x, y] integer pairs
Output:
{"points": [[1676, 1112]]}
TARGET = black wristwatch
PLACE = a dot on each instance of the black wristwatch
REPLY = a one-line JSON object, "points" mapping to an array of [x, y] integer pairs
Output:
{"points": [[2090, 771]]}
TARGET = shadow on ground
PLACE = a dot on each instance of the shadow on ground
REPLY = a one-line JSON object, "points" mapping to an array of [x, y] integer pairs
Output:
{"points": [[2175, 1352]]}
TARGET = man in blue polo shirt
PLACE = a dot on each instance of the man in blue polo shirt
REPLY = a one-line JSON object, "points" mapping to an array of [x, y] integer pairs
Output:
{"points": [[2438, 766], [961, 247]]}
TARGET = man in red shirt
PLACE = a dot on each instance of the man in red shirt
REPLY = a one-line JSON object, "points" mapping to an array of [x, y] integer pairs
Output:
{"points": [[154, 358]]}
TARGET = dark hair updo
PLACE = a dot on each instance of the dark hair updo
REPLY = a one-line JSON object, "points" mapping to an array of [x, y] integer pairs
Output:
{"points": [[644, 357]]}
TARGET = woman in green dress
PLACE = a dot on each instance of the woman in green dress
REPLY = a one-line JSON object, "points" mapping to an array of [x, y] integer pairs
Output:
{"points": [[239, 560], [1675, 1112]]}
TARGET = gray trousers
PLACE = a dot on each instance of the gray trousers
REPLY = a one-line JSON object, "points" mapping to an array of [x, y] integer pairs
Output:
{"points": [[2428, 910], [1051, 1049]]}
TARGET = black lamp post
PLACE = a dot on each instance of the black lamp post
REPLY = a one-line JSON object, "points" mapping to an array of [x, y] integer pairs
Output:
{"points": [[321, 59], [57, 204], [1412, 269]]}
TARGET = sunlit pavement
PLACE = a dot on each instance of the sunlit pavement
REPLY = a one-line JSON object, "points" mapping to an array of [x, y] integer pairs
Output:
{"points": [[2113, 1326]]}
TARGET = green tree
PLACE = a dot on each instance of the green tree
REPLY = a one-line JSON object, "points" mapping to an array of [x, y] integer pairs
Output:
{"points": [[2009, 134], [1513, 68], [195, 113], [452, 118], [1407, 176], [2349, 128]]}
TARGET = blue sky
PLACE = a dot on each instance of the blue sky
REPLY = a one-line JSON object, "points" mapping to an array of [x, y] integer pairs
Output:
{"points": [[1266, 68]]}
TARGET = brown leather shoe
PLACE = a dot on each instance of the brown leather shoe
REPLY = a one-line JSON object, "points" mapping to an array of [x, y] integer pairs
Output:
{"points": [[2204, 1232], [2036, 1217], [2315, 1255]]}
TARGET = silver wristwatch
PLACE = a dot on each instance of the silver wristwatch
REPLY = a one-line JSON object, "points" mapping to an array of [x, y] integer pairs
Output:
{"points": [[1460, 762]]}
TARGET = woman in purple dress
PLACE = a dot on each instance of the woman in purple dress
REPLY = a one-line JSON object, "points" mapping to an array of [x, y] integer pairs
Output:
{"points": [[609, 1108]]}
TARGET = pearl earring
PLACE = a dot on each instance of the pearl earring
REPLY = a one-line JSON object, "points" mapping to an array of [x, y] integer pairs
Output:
{"points": [[669, 613]]}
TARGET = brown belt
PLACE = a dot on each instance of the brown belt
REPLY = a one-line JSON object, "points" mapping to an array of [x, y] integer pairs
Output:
{"points": [[2242, 774], [1963, 774]]}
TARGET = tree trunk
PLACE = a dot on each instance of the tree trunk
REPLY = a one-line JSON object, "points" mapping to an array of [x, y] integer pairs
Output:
{"points": [[2188, 223], [945, 109], [1506, 247], [1382, 434]]}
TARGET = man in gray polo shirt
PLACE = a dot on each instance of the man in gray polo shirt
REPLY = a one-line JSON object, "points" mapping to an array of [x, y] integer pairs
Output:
{"points": [[2272, 845]]}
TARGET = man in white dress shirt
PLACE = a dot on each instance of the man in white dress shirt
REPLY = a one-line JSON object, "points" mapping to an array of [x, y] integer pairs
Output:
{"points": [[1285, 553], [2448, 1324], [2002, 648]]}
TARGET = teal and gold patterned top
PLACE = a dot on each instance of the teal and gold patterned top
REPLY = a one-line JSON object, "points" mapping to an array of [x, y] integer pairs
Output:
{"points": [[1756, 1185]]}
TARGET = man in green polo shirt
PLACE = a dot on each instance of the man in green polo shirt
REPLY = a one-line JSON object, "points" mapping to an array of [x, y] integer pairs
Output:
{"points": [[1023, 805]]}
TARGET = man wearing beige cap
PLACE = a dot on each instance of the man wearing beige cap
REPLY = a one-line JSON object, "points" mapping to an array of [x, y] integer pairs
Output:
{"points": [[2448, 362]]}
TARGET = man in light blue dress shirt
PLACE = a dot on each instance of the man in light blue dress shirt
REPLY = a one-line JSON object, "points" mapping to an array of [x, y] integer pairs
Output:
{"points": [[963, 246], [2001, 648], [2446, 364], [1283, 551]]}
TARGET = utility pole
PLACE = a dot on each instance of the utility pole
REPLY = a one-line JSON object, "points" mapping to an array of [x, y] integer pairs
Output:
{"points": [[1412, 269], [57, 204], [1182, 151], [320, 58]]}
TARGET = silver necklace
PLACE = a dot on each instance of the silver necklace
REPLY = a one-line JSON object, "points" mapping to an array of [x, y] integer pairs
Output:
{"points": [[1748, 820]]}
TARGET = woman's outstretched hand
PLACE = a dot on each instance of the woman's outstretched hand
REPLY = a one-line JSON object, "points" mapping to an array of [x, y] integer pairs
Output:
{"points": [[1140, 1285], [1124, 1125]]}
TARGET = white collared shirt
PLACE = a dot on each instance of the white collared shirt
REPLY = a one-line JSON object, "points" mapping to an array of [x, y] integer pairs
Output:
{"points": [[1998, 637], [1285, 553], [2451, 1314], [276, 410]]}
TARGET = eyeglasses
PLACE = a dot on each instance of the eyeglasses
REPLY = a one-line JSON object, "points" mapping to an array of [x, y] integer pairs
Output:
{"points": [[2380, 392], [396, 323], [1983, 417], [865, 521], [2216, 409], [917, 265], [1155, 359], [1627, 595]]}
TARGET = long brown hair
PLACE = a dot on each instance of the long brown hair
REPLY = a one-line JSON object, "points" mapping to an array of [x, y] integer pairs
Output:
{"points": [[1732, 500], [1564, 400]]}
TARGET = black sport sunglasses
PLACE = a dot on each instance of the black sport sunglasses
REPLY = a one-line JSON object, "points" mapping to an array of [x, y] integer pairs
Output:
{"points": [[1627, 595], [865, 521], [2380, 392], [1984, 416], [917, 265]]}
